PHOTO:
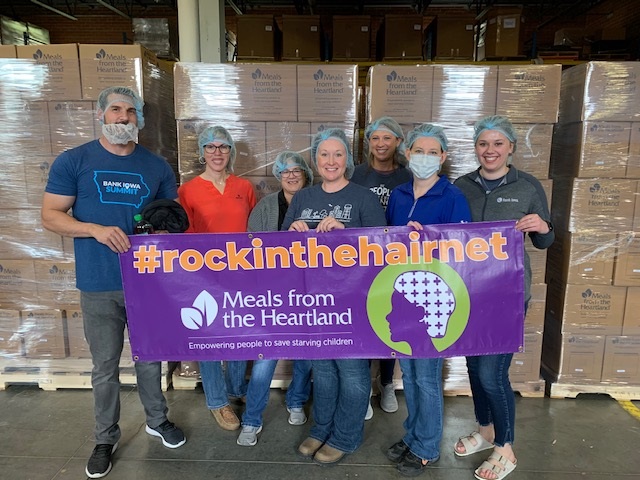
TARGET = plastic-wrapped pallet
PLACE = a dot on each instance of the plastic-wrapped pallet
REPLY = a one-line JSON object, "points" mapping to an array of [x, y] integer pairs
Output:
{"points": [[594, 266], [46, 109]]}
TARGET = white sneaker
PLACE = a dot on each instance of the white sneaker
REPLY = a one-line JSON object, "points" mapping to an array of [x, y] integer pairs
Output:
{"points": [[248, 436], [297, 416], [388, 400], [369, 414]]}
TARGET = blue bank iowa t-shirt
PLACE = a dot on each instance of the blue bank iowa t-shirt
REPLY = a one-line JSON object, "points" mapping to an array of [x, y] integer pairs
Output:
{"points": [[109, 189]]}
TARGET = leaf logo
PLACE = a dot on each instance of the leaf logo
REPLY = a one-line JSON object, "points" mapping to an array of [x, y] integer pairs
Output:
{"points": [[53, 270], [101, 53], [587, 293], [318, 75], [257, 74], [38, 54], [595, 188], [202, 313], [75, 315], [44, 166], [392, 76]]}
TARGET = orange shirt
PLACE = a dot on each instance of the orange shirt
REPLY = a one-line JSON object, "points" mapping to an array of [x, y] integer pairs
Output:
{"points": [[210, 211]]}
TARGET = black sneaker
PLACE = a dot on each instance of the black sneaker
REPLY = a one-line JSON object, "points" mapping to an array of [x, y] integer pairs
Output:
{"points": [[172, 436], [99, 464], [397, 451], [412, 466]]}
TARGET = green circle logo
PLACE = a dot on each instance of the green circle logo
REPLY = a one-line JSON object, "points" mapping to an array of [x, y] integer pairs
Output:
{"points": [[405, 288]]}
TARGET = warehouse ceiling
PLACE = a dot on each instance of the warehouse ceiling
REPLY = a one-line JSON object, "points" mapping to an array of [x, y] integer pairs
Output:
{"points": [[20, 8]]}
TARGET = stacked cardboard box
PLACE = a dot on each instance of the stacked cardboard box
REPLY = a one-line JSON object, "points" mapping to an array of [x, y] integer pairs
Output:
{"points": [[267, 108], [400, 38], [301, 37], [500, 31], [258, 38], [455, 97], [594, 267], [48, 103], [351, 37], [454, 37]]}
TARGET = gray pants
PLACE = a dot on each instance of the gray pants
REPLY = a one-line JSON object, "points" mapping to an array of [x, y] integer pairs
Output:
{"points": [[104, 321]]}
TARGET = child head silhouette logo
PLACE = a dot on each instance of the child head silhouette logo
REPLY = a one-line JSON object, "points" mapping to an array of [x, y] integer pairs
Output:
{"points": [[409, 305], [432, 297]]}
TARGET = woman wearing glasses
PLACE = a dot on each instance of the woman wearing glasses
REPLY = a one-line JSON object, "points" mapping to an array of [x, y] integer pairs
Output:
{"points": [[294, 174], [217, 201]]}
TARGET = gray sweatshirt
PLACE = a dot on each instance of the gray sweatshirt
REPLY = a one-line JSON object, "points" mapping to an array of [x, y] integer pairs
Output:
{"points": [[519, 195]]}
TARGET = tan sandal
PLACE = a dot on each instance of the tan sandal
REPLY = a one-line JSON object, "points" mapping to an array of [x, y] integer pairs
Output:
{"points": [[503, 468], [469, 448]]}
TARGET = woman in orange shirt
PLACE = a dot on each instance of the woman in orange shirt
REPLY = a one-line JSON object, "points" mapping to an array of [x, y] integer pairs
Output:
{"points": [[217, 201]]}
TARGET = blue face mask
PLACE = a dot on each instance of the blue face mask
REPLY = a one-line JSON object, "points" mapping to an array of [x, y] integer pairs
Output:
{"points": [[423, 166]]}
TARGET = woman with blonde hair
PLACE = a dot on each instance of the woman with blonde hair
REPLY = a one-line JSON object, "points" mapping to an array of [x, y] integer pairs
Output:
{"points": [[485, 188]]}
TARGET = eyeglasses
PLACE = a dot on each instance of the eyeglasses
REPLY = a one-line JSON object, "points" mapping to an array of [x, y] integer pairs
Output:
{"points": [[211, 148], [296, 172]]}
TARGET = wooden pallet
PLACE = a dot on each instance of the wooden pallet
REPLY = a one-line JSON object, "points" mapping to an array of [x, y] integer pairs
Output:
{"points": [[51, 375], [617, 392], [191, 383], [533, 389], [559, 55], [512, 58], [608, 56], [184, 383]]}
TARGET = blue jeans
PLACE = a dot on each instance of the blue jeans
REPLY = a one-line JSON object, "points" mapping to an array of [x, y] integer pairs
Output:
{"points": [[104, 320], [493, 398], [216, 385], [260, 384], [422, 379], [340, 400], [235, 374]]}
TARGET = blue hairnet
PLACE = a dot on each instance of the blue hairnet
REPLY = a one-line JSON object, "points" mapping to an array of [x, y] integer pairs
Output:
{"points": [[497, 123], [390, 125], [288, 159], [428, 130], [338, 135], [221, 135], [121, 94]]}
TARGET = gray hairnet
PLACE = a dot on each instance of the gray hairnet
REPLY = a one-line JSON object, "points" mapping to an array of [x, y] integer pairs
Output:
{"points": [[338, 135], [498, 123], [428, 130], [390, 125], [288, 159], [221, 135], [121, 94]]}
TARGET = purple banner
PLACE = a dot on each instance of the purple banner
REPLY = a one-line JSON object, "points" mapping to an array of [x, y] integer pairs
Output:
{"points": [[449, 290]]}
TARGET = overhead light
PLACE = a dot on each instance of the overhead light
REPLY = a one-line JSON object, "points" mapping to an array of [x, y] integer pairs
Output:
{"points": [[55, 10], [113, 9]]}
